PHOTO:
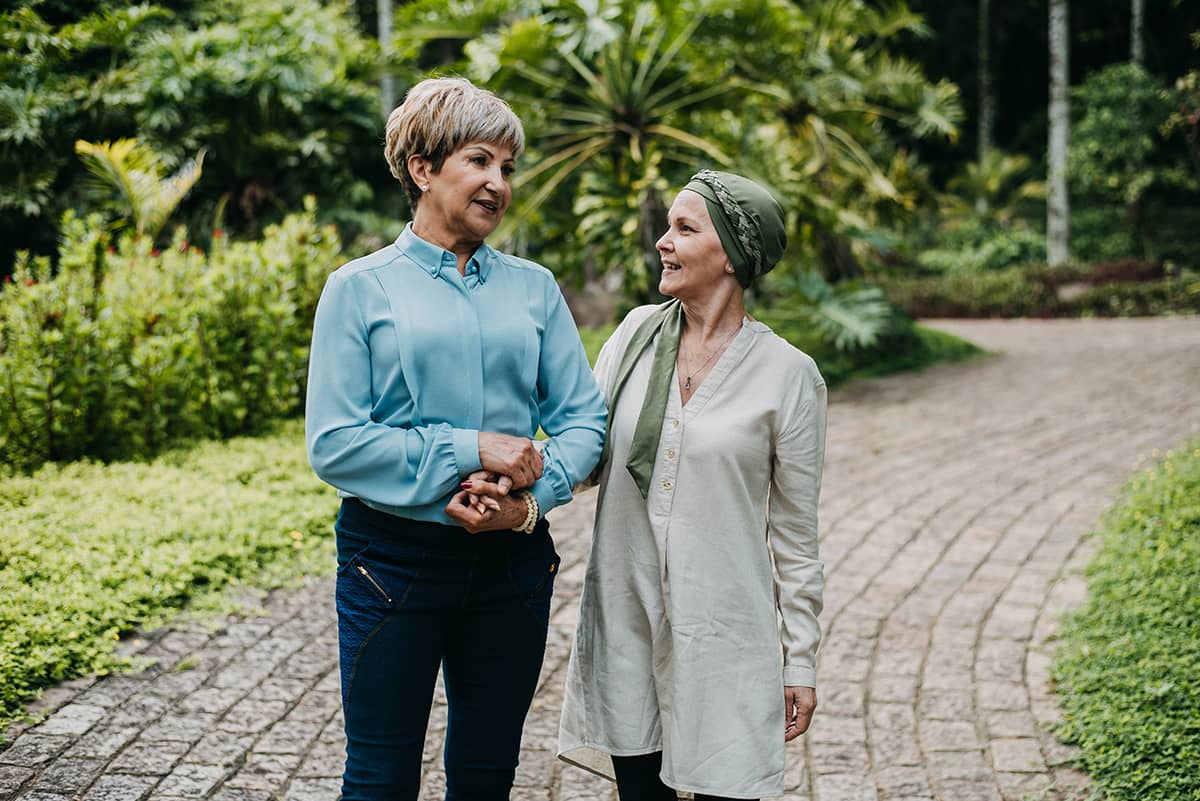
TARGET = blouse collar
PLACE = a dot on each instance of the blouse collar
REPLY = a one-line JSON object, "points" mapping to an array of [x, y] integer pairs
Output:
{"points": [[433, 259]]}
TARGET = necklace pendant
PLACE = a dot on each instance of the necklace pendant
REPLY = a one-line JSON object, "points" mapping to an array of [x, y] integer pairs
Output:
{"points": [[688, 384]]}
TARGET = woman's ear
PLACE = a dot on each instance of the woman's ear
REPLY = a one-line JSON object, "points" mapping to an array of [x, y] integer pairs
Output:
{"points": [[420, 169]]}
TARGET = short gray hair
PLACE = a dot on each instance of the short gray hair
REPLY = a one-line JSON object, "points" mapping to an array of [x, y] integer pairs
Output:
{"points": [[440, 115]]}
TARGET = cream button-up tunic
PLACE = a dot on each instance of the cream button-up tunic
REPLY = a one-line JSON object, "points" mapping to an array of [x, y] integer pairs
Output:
{"points": [[700, 602]]}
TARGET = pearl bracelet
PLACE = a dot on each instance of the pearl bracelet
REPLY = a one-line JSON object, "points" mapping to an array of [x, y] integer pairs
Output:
{"points": [[531, 513]]}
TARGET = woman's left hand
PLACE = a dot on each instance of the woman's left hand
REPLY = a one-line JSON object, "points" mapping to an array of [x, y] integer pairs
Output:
{"points": [[475, 517], [799, 703]]}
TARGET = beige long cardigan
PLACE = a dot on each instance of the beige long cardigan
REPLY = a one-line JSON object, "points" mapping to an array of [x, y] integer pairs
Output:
{"points": [[700, 602]]}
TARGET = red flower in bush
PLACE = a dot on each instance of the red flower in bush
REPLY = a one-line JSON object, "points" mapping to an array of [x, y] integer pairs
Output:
{"points": [[155, 252], [111, 250], [183, 246], [29, 282], [8, 279], [217, 234]]}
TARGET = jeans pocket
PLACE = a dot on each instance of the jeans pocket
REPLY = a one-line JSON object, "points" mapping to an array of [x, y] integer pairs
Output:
{"points": [[532, 578], [367, 594]]}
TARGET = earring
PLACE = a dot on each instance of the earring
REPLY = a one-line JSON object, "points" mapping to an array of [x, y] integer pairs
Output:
{"points": [[729, 269], [424, 187]]}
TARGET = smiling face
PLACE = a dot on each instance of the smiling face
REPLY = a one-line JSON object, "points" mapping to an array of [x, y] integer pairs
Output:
{"points": [[464, 201], [693, 258]]}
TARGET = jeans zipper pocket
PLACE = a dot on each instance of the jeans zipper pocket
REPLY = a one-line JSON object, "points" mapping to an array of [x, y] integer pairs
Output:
{"points": [[371, 579]]}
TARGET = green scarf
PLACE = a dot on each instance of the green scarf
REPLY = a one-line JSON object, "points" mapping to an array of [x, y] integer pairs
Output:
{"points": [[667, 319]]}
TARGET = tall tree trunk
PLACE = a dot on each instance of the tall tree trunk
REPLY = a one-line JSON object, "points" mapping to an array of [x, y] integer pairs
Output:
{"points": [[986, 99], [1058, 211], [1137, 44], [387, 86]]}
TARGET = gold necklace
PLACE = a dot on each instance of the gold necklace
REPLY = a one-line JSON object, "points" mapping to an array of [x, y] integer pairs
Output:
{"points": [[688, 362]]}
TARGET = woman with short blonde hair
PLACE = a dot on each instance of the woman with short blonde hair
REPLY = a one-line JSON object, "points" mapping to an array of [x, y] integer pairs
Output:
{"points": [[434, 363]]}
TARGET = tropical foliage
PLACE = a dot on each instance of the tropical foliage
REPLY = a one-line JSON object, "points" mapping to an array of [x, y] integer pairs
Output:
{"points": [[280, 97]]}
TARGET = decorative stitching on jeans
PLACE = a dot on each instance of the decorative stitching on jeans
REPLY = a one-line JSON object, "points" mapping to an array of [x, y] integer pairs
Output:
{"points": [[358, 655]]}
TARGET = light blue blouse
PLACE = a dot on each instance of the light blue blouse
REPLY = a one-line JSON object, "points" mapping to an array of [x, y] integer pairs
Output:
{"points": [[411, 360]]}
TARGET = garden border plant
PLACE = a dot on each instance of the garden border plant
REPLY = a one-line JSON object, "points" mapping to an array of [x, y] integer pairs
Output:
{"points": [[1127, 669], [89, 552]]}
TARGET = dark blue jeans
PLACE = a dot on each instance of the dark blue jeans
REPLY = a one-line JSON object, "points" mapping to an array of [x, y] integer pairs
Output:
{"points": [[413, 596]]}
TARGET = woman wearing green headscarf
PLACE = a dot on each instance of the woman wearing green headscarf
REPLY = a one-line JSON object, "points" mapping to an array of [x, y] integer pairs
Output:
{"points": [[694, 657]]}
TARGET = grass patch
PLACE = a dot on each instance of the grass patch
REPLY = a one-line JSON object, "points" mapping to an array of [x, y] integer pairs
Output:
{"points": [[1127, 672], [90, 551], [910, 347]]}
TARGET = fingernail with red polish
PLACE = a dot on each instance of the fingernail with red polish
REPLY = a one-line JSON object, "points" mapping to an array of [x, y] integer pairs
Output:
{"points": [[465, 485]]}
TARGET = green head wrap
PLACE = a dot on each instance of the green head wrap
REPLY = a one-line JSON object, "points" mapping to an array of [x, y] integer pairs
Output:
{"points": [[748, 220]]}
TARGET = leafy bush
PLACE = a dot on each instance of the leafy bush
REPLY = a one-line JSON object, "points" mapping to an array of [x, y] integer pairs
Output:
{"points": [[999, 293], [1127, 671], [89, 551], [1105, 290], [991, 249], [901, 346], [282, 96], [127, 350]]}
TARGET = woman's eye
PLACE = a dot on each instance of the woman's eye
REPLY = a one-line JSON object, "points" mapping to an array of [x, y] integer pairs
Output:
{"points": [[507, 170], [478, 161]]}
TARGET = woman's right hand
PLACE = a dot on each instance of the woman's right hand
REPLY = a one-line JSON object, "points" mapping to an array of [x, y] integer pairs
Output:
{"points": [[510, 456]]}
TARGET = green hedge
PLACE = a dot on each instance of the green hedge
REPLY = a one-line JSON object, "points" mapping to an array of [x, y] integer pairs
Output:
{"points": [[1128, 669], [1030, 291], [127, 350], [90, 551]]}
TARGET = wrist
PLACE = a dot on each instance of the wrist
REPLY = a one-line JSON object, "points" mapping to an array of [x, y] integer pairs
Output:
{"points": [[532, 512]]}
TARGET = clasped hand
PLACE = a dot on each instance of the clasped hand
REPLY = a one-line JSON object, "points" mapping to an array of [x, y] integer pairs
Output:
{"points": [[484, 502]]}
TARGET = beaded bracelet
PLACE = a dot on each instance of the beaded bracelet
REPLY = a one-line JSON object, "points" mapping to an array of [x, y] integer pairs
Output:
{"points": [[531, 513]]}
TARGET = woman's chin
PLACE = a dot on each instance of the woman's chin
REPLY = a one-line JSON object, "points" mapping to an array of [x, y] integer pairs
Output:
{"points": [[667, 284]]}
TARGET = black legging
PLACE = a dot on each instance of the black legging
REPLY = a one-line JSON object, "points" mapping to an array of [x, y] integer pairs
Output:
{"points": [[637, 780]]}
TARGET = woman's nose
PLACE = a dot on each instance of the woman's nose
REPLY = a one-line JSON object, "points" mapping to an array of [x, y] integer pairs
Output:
{"points": [[663, 242]]}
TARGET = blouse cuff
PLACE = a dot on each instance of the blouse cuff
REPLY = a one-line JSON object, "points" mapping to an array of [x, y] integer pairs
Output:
{"points": [[466, 450], [543, 492], [799, 676]]}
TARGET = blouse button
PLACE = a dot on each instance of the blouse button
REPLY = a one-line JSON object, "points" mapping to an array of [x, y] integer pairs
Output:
{"points": [[674, 424], [670, 453], [666, 485]]}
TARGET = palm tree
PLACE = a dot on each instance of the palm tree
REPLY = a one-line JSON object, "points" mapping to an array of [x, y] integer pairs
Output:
{"points": [[837, 102], [610, 128], [129, 177]]}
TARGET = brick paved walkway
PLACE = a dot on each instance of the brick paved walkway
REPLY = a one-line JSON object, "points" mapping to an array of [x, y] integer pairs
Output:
{"points": [[953, 514]]}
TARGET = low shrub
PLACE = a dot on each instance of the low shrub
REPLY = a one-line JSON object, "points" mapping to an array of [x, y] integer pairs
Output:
{"points": [[1106, 289], [90, 551], [1000, 293], [127, 350], [1127, 670], [991, 249], [903, 346]]}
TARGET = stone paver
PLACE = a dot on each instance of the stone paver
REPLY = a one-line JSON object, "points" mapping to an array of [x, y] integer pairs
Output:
{"points": [[953, 515]]}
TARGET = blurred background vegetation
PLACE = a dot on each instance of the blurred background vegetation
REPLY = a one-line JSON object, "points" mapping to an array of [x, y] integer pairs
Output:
{"points": [[178, 177]]}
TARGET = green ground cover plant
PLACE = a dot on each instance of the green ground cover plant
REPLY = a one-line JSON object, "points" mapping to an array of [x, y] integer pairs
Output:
{"points": [[1127, 672], [88, 551]]}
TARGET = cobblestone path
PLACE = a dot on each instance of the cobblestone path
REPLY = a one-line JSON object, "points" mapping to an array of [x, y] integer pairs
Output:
{"points": [[953, 519]]}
